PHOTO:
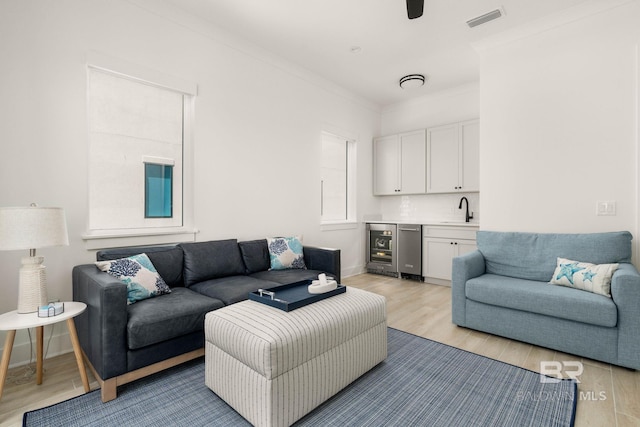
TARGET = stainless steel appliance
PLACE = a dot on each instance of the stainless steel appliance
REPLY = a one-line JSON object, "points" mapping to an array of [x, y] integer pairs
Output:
{"points": [[381, 252], [410, 251]]}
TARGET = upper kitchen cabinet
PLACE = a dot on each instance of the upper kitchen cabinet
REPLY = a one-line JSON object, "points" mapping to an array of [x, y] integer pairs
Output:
{"points": [[453, 158], [399, 164]]}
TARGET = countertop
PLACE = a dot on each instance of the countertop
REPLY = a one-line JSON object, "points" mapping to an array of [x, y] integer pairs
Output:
{"points": [[447, 223]]}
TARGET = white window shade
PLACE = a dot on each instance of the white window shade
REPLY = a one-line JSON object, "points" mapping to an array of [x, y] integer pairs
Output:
{"points": [[337, 203], [130, 120]]}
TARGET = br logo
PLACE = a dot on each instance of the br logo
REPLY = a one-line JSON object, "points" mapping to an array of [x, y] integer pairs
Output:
{"points": [[552, 371]]}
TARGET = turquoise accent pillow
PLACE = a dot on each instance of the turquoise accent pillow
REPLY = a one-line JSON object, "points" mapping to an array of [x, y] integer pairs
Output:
{"points": [[141, 277], [285, 253], [594, 278]]}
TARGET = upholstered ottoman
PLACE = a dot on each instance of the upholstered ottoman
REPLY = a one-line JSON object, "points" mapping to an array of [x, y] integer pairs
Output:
{"points": [[274, 367]]}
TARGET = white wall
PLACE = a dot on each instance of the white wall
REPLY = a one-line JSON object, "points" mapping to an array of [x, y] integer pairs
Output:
{"points": [[440, 108], [559, 119], [557, 102], [455, 105], [257, 129]]}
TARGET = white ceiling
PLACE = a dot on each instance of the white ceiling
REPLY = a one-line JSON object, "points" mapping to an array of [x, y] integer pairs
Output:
{"points": [[319, 35]]}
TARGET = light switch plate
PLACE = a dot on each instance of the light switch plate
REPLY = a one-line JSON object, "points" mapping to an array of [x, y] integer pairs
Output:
{"points": [[606, 208]]}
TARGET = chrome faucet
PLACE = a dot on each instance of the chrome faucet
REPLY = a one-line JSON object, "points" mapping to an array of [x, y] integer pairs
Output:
{"points": [[467, 217]]}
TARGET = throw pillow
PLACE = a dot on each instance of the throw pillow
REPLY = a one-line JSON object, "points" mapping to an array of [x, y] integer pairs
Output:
{"points": [[285, 253], [594, 278], [141, 277]]}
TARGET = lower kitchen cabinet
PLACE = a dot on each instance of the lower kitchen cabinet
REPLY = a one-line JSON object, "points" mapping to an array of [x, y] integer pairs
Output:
{"points": [[440, 245]]}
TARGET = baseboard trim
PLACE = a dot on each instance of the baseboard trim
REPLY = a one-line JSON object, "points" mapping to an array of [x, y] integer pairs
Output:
{"points": [[24, 352], [352, 271], [434, 281]]}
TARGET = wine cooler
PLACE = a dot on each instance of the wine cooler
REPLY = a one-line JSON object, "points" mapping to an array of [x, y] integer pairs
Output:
{"points": [[381, 249]]}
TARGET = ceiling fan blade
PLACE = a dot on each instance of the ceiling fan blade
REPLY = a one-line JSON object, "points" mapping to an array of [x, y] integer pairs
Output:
{"points": [[415, 8]]}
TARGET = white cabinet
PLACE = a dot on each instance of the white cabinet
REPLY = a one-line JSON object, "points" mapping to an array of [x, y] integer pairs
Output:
{"points": [[440, 245], [399, 164], [386, 165], [469, 156], [453, 158], [413, 162]]}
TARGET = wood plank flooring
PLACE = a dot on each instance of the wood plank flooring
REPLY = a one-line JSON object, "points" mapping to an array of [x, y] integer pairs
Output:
{"points": [[609, 395]]}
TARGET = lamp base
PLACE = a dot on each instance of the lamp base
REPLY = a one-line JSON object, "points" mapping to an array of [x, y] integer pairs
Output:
{"points": [[33, 285]]}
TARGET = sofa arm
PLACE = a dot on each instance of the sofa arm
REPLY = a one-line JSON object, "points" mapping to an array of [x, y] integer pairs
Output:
{"points": [[625, 292], [465, 267], [102, 327], [323, 259]]}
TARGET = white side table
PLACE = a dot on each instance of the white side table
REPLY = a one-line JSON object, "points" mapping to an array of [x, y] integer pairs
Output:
{"points": [[13, 321]]}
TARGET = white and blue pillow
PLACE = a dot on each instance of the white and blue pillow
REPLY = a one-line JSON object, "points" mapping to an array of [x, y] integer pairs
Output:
{"points": [[285, 253], [594, 278], [139, 274]]}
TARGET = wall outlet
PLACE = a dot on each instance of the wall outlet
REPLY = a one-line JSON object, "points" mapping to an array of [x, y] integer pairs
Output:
{"points": [[606, 208]]}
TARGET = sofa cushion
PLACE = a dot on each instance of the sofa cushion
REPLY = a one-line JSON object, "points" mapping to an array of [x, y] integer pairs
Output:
{"points": [[543, 298], [139, 274], [287, 277], [169, 265], [533, 256], [285, 253], [167, 316], [210, 260], [231, 289], [588, 277], [255, 254]]}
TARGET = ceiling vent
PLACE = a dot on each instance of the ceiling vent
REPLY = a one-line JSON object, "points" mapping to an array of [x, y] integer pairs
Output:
{"points": [[489, 16]]}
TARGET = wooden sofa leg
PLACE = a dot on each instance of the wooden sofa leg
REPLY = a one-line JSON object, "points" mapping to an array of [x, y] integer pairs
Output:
{"points": [[109, 389]]}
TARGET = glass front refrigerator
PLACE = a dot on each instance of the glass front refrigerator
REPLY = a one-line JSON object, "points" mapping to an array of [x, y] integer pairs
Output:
{"points": [[382, 249]]}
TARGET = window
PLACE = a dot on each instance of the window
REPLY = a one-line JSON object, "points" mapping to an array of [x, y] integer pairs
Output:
{"points": [[158, 190], [336, 185], [139, 131]]}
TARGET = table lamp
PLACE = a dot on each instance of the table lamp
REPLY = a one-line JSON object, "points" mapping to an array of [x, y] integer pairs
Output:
{"points": [[32, 228]]}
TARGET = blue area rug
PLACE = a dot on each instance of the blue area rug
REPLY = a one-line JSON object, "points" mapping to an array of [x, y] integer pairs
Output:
{"points": [[422, 383]]}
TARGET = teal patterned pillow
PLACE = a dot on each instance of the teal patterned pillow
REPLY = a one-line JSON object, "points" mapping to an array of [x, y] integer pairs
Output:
{"points": [[285, 253], [141, 277], [594, 278]]}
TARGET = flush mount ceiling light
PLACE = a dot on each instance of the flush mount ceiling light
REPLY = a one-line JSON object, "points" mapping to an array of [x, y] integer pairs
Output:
{"points": [[412, 81]]}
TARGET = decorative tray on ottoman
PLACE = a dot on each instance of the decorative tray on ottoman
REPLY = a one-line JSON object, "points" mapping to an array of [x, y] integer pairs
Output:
{"points": [[290, 297]]}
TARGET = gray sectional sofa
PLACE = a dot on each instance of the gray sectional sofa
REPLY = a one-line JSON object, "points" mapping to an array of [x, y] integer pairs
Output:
{"points": [[503, 288], [124, 342]]}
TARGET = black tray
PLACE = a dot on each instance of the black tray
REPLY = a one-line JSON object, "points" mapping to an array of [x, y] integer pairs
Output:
{"points": [[295, 295]]}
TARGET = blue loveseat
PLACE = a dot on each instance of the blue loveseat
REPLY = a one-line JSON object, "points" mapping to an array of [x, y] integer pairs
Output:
{"points": [[503, 289], [124, 342]]}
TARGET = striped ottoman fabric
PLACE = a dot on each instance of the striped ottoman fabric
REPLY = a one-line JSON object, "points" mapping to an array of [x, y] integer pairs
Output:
{"points": [[275, 367]]}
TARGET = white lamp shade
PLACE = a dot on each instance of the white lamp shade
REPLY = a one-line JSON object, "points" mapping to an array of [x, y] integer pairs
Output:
{"points": [[32, 228]]}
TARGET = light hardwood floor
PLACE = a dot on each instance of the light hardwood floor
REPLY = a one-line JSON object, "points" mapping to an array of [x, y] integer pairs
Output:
{"points": [[609, 395]]}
